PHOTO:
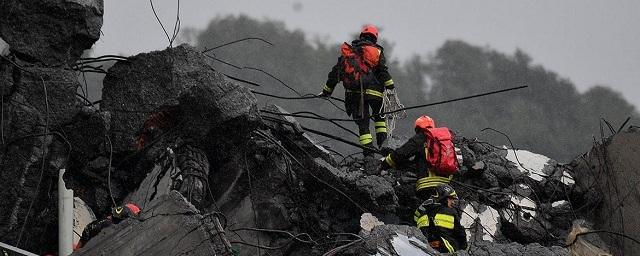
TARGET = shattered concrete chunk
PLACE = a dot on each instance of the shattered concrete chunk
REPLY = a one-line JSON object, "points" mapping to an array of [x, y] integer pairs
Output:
{"points": [[368, 222], [483, 248], [292, 128], [534, 165], [394, 240], [168, 225], [607, 181], [82, 216], [5, 49], [181, 77], [482, 225], [50, 31]]}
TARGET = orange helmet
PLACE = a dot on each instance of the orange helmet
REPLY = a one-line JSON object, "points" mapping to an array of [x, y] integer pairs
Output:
{"points": [[370, 29], [425, 122]]}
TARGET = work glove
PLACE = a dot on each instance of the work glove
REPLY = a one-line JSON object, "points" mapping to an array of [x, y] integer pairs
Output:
{"points": [[382, 167]]}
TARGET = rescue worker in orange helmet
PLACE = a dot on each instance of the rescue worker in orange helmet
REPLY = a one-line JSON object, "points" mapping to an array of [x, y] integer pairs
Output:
{"points": [[363, 72], [428, 179]]}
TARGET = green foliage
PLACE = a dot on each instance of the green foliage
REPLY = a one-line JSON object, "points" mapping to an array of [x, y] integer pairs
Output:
{"points": [[550, 117]]}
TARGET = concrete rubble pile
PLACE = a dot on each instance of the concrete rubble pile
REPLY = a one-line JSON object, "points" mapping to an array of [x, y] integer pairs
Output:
{"points": [[39, 41], [214, 174]]}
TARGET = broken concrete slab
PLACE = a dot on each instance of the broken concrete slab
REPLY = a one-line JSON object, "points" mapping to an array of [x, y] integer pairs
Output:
{"points": [[292, 129], [375, 193], [168, 226], [175, 77], [484, 248], [5, 49], [394, 240], [53, 32], [82, 216], [607, 179], [482, 222]]}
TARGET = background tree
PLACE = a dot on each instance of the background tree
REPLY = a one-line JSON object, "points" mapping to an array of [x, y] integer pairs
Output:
{"points": [[550, 117]]}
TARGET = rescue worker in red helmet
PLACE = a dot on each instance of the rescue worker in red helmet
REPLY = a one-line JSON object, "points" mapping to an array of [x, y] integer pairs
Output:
{"points": [[439, 221], [118, 214], [363, 93], [428, 179]]}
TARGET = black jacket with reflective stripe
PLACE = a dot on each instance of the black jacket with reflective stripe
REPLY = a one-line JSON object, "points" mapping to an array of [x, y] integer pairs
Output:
{"points": [[415, 147], [456, 236]]}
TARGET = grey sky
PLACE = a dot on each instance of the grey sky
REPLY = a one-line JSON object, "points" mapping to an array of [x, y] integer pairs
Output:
{"points": [[588, 42]]}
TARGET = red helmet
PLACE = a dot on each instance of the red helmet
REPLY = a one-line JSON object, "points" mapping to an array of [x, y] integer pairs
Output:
{"points": [[425, 122], [370, 29]]}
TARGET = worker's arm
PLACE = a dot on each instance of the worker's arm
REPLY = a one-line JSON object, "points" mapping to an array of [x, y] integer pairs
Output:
{"points": [[382, 72], [404, 152], [335, 76]]}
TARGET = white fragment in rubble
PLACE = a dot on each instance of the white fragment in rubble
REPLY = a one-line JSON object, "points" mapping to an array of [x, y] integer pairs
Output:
{"points": [[368, 222], [404, 245], [467, 219], [558, 203], [82, 216], [533, 163], [488, 219], [4, 47], [527, 205], [523, 186], [567, 179]]}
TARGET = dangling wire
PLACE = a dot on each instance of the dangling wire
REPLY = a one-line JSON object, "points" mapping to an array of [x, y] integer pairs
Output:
{"points": [[391, 103]]}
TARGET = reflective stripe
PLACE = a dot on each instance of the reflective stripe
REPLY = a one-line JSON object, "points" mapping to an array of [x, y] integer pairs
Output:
{"points": [[366, 139], [448, 245], [380, 126], [374, 93], [416, 216], [388, 82], [390, 161], [432, 180], [422, 221], [327, 89], [443, 220], [368, 91]]}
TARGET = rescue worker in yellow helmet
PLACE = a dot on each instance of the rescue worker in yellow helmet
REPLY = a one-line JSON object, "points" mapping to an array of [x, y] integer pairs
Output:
{"points": [[439, 221], [363, 72]]}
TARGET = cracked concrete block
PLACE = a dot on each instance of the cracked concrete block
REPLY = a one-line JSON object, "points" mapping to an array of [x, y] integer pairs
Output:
{"points": [[392, 239], [5, 49], [294, 129], [168, 225], [50, 31], [82, 216], [176, 77], [484, 248]]}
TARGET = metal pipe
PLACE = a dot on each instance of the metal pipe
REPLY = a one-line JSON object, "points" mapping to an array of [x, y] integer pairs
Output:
{"points": [[4, 247], [65, 217]]}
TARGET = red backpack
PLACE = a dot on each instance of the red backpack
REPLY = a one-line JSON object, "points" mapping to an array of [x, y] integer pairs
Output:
{"points": [[441, 153], [358, 61]]}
